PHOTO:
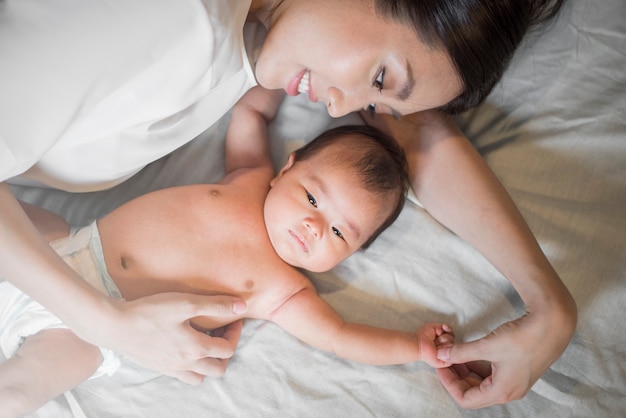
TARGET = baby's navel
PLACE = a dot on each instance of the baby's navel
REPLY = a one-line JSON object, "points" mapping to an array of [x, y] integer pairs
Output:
{"points": [[249, 284], [214, 192]]}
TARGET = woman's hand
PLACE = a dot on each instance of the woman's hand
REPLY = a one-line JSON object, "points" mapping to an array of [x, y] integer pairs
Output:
{"points": [[155, 331], [504, 365]]}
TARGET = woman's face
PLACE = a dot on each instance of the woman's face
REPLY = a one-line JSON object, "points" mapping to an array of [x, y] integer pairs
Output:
{"points": [[341, 54]]}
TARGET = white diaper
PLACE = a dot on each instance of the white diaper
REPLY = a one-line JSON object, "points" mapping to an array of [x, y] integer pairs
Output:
{"points": [[21, 316]]}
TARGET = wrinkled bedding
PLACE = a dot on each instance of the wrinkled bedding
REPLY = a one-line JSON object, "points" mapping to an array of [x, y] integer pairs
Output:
{"points": [[554, 132]]}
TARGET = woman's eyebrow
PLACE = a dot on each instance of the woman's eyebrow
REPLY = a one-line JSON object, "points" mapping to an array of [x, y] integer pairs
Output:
{"points": [[407, 88]]}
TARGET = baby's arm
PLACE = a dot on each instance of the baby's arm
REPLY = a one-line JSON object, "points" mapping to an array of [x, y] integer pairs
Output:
{"points": [[309, 318], [247, 143]]}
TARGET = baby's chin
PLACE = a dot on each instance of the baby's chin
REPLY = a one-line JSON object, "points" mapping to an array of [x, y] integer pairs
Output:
{"points": [[307, 264]]}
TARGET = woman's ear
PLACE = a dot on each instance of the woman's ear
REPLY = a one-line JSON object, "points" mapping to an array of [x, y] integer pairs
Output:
{"points": [[290, 162]]}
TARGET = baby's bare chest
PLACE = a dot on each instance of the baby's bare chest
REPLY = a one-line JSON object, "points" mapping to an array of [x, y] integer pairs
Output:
{"points": [[218, 246]]}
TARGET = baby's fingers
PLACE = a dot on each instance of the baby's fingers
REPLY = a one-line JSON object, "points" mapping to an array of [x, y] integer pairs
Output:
{"points": [[447, 329], [445, 335], [442, 329], [444, 339]]}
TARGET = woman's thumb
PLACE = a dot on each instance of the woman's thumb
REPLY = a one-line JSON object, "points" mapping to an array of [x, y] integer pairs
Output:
{"points": [[463, 352]]}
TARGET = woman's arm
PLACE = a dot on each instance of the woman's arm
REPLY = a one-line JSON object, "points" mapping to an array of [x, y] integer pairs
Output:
{"points": [[154, 330], [309, 318], [457, 188]]}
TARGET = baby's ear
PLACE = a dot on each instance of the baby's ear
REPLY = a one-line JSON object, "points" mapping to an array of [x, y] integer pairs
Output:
{"points": [[290, 162]]}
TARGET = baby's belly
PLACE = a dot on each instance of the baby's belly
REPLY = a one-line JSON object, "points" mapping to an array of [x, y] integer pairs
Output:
{"points": [[149, 263]]}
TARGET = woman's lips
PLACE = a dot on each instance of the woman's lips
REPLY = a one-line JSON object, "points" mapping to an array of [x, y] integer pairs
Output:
{"points": [[300, 241], [301, 84], [304, 86]]}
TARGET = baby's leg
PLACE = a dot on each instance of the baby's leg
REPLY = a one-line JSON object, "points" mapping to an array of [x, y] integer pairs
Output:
{"points": [[46, 365], [50, 225]]}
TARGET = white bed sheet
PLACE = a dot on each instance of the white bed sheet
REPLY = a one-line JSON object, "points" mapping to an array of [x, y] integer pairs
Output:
{"points": [[554, 132]]}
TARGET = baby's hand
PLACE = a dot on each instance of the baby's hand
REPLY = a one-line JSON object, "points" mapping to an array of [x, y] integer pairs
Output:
{"points": [[430, 337], [445, 335]]}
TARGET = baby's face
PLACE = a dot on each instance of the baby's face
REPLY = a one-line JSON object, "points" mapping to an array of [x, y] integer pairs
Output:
{"points": [[317, 214]]}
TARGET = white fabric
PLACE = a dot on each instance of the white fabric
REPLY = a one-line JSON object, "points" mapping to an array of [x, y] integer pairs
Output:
{"points": [[554, 132], [21, 317], [92, 106]]}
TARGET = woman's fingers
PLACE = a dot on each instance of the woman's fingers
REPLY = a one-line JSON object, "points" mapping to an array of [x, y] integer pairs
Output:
{"points": [[155, 331]]}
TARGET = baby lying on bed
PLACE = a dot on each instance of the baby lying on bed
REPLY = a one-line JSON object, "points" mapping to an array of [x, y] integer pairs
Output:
{"points": [[243, 237]]}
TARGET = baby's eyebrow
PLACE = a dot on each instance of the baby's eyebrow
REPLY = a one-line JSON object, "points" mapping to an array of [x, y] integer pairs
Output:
{"points": [[354, 228]]}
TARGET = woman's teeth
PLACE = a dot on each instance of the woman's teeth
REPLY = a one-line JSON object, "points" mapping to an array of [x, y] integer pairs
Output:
{"points": [[303, 87]]}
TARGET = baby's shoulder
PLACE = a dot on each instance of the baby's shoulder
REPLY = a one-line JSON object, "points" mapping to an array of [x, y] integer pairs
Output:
{"points": [[258, 177], [277, 286]]}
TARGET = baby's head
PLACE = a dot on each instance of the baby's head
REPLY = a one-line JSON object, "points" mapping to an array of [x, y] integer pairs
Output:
{"points": [[335, 195]]}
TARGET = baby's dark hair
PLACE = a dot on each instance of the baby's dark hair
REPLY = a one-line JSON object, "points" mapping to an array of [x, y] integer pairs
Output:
{"points": [[376, 157]]}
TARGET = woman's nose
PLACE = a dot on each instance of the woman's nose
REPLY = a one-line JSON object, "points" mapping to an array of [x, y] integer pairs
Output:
{"points": [[340, 104]]}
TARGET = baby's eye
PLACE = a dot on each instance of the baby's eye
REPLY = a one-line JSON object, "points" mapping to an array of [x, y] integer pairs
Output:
{"points": [[311, 199], [338, 233]]}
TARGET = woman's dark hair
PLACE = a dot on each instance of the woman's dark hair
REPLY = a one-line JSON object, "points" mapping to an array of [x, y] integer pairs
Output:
{"points": [[376, 157], [479, 36]]}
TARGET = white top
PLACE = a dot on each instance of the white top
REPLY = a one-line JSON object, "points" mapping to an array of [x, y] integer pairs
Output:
{"points": [[91, 91]]}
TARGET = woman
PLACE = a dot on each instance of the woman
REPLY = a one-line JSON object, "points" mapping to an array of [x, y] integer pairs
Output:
{"points": [[106, 87]]}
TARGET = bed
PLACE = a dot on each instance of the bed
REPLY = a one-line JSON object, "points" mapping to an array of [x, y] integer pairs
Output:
{"points": [[554, 132]]}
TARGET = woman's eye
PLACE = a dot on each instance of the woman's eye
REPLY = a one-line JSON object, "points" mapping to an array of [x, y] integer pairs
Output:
{"points": [[311, 199], [379, 82], [338, 233]]}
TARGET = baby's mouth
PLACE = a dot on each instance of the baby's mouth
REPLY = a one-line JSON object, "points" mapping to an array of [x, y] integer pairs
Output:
{"points": [[301, 243]]}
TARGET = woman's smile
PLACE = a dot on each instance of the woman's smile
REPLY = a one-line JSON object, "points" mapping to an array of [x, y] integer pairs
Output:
{"points": [[305, 84], [301, 84]]}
